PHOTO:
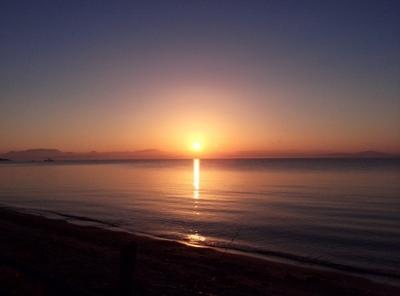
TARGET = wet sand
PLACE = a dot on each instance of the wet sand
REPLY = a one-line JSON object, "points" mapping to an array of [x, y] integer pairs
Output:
{"points": [[89, 258]]}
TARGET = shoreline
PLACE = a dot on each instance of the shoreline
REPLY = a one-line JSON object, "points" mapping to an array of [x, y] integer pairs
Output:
{"points": [[88, 257], [275, 256]]}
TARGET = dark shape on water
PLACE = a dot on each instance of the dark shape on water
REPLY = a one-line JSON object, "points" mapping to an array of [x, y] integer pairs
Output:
{"points": [[49, 160]]}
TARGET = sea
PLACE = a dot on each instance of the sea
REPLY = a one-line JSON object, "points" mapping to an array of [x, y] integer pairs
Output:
{"points": [[335, 213]]}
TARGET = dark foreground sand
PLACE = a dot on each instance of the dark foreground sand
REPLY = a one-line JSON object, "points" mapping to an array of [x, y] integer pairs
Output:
{"points": [[89, 258]]}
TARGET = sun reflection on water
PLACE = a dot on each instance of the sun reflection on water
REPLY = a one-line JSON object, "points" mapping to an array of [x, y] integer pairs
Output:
{"points": [[196, 177], [196, 238]]}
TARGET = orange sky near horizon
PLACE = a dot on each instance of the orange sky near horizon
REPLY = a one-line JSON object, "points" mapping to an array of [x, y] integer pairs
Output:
{"points": [[216, 118]]}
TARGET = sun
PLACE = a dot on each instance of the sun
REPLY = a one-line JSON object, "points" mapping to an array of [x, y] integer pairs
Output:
{"points": [[196, 146]]}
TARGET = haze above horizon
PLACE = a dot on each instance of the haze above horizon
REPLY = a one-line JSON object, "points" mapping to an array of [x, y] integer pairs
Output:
{"points": [[227, 75]]}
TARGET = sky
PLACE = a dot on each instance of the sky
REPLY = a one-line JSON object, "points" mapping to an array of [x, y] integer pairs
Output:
{"points": [[232, 75]]}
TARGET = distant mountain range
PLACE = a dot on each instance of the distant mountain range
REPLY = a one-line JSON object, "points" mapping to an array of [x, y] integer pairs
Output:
{"points": [[45, 154], [310, 154], [365, 154]]}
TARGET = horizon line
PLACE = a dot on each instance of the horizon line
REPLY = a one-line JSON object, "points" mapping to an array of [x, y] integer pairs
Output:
{"points": [[43, 153]]}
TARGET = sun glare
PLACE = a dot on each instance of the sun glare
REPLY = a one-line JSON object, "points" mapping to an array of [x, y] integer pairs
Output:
{"points": [[196, 146]]}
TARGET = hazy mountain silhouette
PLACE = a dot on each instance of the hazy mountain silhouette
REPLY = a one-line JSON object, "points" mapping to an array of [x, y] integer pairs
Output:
{"points": [[42, 154], [365, 154], [34, 154]]}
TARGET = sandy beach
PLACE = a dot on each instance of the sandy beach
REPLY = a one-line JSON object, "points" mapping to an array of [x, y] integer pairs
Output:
{"points": [[88, 258]]}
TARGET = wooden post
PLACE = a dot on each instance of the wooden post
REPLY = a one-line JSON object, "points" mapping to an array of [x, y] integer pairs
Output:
{"points": [[127, 269]]}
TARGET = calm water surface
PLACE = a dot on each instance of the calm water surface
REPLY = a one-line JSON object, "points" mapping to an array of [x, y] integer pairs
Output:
{"points": [[336, 211]]}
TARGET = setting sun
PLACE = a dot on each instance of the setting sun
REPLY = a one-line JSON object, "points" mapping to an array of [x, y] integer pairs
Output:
{"points": [[196, 146]]}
